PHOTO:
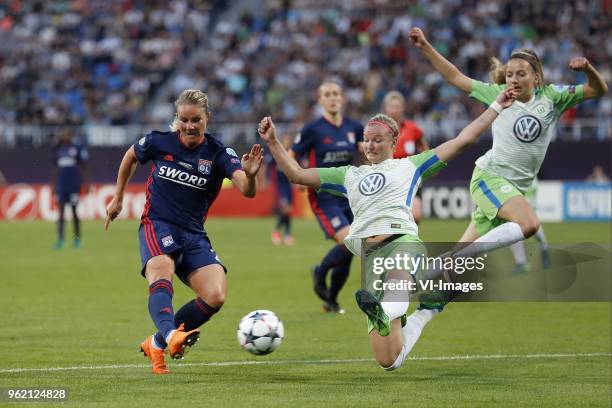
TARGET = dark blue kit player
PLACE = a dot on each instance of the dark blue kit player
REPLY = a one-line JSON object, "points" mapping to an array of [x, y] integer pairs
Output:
{"points": [[188, 168], [330, 141], [68, 174]]}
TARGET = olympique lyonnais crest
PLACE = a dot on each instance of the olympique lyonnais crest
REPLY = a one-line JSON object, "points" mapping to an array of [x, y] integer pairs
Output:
{"points": [[167, 241], [204, 166], [351, 137]]}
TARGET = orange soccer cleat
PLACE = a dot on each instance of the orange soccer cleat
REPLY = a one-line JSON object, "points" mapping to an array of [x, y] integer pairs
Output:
{"points": [[155, 355], [181, 341]]}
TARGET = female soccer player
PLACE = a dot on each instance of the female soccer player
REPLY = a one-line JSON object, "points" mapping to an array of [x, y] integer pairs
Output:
{"points": [[332, 140], [68, 173], [380, 196], [520, 138], [411, 140], [188, 168]]}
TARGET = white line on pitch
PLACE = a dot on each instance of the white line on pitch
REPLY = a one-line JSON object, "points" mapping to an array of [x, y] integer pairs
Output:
{"points": [[339, 361]]}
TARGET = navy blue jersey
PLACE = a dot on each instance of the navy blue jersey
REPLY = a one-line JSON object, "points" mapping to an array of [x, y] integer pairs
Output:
{"points": [[328, 145], [67, 159], [184, 182]]}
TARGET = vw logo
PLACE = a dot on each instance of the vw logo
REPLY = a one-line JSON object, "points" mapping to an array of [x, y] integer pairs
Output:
{"points": [[372, 184], [527, 128]]}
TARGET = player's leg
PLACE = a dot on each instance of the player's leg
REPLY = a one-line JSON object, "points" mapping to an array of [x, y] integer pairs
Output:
{"points": [[286, 207], [276, 232], [503, 216], [157, 251], [335, 224], [339, 273], [520, 257], [158, 272], [210, 286], [388, 350], [540, 236], [74, 202], [61, 205]]}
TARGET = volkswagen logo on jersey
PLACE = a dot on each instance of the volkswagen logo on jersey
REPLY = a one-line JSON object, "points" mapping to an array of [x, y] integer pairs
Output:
{"points": [[527, 128], [372, 184]]}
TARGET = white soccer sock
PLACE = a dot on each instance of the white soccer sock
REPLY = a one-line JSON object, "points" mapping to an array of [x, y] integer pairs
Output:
{"points": [[518, 250], [498, 237], [411, 333], [395, 309], [541, 237], [169, 336]]}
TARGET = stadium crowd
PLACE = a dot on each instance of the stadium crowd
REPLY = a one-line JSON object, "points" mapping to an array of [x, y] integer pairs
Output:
{"points": [[89, 62]]}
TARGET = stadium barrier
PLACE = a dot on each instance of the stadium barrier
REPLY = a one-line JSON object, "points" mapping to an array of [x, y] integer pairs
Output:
{"points": [[556, 201], [35, 202]]}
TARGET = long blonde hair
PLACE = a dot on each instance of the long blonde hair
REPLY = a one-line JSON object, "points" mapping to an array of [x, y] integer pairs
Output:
{"points": [[190, 97], [498, 70]]}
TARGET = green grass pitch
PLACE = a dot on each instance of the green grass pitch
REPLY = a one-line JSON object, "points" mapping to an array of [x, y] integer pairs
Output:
{"points": [[74, 318]]}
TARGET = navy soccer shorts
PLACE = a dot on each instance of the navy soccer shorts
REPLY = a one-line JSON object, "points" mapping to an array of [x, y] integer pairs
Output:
{"points": [[190, 250], [333, 213]]}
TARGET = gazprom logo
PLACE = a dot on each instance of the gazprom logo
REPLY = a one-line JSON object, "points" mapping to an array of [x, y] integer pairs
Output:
{"points": [[372, 184], [527, 128]]}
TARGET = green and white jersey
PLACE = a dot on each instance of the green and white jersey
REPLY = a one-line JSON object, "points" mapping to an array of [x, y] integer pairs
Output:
{"points": [[380, 195], [522, 133]]}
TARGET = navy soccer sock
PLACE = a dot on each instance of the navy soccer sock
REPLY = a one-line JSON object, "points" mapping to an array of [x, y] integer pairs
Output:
{"points": [[60, 224], [160, 307], [194, 314], [286, 223], [335, 257], [339, 276], [77, 223]]}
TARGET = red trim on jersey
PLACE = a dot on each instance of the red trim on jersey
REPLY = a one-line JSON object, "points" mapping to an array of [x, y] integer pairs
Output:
{"points": [[312, 158], [318, 212], [145, 211]]}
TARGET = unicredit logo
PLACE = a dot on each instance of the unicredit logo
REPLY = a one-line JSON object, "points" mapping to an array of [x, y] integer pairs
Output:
{"points": [[18, 200]]}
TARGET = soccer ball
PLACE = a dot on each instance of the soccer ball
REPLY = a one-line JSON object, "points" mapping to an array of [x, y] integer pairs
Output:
{"points": [[260, 332]]}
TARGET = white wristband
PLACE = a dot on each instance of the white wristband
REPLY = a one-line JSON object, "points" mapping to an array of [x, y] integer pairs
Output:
{"points": [[496, 107]]}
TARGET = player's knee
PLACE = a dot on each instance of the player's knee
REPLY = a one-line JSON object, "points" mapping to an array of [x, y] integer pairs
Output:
{"points": [[391, 363], [159, 267], [216, 297], [530, 226]]}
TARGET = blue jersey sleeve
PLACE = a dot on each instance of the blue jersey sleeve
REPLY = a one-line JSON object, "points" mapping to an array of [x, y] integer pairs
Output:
{"points": [[228, 161], [145, 148], [303, 141]]}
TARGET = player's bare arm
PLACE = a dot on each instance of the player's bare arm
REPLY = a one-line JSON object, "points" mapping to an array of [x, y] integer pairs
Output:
{"points": [[291, 168], [450, 72], [245, 180], [125, 173], [595, 86], [470, 134]]}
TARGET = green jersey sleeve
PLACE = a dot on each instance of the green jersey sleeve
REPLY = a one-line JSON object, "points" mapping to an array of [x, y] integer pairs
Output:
{"points": [[332, 180], [427, 164], [484, 92], [564, 96]]}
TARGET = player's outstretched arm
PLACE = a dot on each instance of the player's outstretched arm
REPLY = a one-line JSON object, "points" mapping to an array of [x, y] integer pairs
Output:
{"points": [[294, 172], [595, 86], [245, 179], [125, 173], [450, 72], [470, 134]]}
